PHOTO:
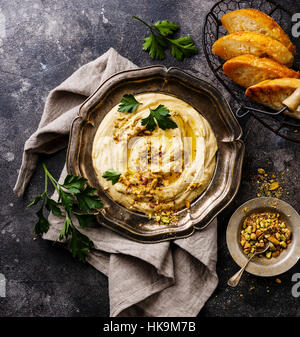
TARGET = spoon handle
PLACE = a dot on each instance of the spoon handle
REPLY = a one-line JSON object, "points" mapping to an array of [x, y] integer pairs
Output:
{"points": [[235, 279]]}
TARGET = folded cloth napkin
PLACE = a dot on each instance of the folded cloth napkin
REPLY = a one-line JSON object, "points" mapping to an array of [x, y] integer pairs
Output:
{"points": [[173, 278]]}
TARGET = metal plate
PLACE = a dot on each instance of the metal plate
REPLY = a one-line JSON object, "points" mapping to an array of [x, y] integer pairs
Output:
{"points": [[208, 101], [263, 266]]}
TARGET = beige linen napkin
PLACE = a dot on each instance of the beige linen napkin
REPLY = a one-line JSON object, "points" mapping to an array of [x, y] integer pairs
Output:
{"points": [[173, 278]]}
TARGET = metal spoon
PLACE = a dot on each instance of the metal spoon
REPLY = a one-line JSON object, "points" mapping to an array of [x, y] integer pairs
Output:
{"points": [[235, 279]]}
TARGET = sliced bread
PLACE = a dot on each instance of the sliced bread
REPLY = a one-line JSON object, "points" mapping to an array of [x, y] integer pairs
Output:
{"points": [[253, 20], [247, 70], [257, 44]]}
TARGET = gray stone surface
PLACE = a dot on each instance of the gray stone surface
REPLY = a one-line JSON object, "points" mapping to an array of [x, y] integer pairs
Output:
{"points": [[42, 43]]}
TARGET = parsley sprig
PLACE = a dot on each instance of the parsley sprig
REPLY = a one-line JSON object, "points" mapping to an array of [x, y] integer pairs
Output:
{"points": [[128, 103], [161, 116], [77, 199], [111, 175], [159, 40]]}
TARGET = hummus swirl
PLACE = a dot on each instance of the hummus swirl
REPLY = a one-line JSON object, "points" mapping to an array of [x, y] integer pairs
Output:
{"points": [[160, 170]]}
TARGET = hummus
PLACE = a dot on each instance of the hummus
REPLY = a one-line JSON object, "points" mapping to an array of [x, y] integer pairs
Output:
{"points": [[162, 170]]}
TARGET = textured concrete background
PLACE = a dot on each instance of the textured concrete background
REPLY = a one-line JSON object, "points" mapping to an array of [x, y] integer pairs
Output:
{"points": [[42, 43]]}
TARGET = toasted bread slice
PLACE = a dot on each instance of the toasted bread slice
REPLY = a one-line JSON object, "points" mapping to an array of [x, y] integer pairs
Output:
{"points": [[272, 93], [247, 70], [253, 20], [257, 44]]}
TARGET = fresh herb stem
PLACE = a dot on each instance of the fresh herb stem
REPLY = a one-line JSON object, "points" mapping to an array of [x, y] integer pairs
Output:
{"points": [[144, 22], [49, 175], [158, 41], [73, 194], [152, 28], [46, 184]]}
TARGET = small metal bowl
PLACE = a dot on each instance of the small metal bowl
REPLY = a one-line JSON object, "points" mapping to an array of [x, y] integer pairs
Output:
{"points": [[263, 266]]}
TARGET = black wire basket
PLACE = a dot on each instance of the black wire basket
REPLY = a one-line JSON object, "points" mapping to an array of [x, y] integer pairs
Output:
{"points": [[279, 123]]}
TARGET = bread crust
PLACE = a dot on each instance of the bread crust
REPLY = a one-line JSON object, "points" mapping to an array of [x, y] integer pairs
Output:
{"points": [[272, 93], [247, 70], [250, 19], [257, 44]]}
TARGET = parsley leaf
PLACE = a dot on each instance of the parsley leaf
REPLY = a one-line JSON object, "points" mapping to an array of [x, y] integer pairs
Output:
{"points": [[42, 225], [183, 47], [162, 117], [74, 183], [66, 199], [88, 199], [66, 230], [85, 220], [80, 245], [35, 201], [53, 206], [156, 46], [159, 40], [74, 193], [166, 27], [112, 175], [128, 103]]}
